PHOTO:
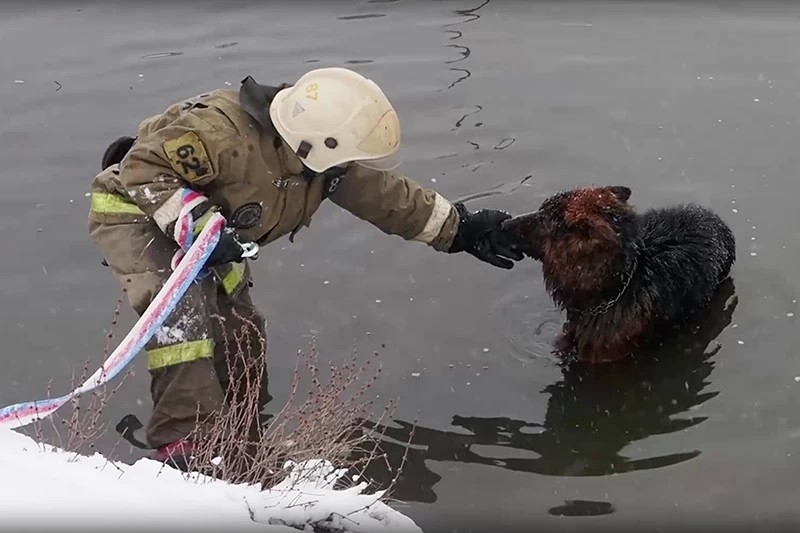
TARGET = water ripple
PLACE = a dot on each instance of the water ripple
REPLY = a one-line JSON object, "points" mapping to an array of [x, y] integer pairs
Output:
{"points": [[364, 16], [464, 50], [159, 55], [530, 325]]}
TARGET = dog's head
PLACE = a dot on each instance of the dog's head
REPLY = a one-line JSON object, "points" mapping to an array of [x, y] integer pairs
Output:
{"points": [[577, 234]]}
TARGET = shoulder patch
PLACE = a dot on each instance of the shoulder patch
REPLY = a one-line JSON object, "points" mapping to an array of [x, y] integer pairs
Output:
{"points": [[188, 156]]}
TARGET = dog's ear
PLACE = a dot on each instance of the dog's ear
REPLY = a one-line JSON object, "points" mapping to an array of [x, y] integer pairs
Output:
{"points": [[620, 191]]}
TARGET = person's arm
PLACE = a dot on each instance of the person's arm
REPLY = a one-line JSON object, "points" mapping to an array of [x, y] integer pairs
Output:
{"points": [[398, 205], [165, 173]]}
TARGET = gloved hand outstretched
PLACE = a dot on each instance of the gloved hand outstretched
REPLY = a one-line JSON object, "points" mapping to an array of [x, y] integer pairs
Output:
{"points": [[481, 235], [230, 249]]}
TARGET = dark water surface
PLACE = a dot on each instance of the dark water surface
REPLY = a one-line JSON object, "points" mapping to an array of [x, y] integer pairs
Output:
{"points": [[680, 101]]}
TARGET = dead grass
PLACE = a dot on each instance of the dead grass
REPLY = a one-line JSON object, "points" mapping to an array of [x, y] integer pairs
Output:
{"points": [[330, 414], [78, 431], [323, 417]]}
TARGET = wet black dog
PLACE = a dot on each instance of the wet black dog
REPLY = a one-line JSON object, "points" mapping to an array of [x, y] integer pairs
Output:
{"points": [[624, 278]]}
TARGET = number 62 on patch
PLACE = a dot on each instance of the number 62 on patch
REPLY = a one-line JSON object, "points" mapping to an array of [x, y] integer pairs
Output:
{"points": [[188, 156]]}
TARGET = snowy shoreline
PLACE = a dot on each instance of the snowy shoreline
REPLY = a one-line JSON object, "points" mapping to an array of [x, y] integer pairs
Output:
{"points": [[45, 488]]}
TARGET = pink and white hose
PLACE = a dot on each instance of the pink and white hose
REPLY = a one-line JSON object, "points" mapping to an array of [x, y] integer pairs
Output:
{"points": [[183, 275]]}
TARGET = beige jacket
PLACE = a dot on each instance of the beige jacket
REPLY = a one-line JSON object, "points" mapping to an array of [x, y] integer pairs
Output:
{"points": [[210, 144]]}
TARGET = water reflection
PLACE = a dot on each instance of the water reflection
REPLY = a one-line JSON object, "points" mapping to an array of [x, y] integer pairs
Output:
{"points": [[501, 189], [593, 416], [360, 17], [159, 55], [582, 508], [460, 121], [463, 51]]}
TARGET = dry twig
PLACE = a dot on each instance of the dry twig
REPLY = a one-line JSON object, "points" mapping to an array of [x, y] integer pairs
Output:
{"points": [[322, 419]]}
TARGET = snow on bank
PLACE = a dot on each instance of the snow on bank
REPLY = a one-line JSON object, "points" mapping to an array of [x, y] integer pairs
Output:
{"points": [[42, 486]]}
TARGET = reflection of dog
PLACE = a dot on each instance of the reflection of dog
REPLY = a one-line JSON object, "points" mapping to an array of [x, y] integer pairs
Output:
{"points": [[623, 278], [596, 419]]}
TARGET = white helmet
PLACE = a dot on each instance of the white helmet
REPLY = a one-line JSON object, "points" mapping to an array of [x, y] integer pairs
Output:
{"points": [[334, 116]]}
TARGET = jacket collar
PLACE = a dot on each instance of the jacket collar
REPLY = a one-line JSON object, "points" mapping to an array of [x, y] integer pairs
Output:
{"points": [[255, 98]]}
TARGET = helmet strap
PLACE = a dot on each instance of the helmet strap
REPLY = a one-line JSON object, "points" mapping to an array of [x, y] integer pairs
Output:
{"points": [[303, 149], [308, 174], [330, 174]]}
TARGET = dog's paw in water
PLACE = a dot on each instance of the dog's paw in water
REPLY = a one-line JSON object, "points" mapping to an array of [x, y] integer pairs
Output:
{"points": [[622, 277]]}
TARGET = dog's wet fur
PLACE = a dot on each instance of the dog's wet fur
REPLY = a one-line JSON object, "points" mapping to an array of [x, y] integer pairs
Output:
{"points": [[624, 279]]}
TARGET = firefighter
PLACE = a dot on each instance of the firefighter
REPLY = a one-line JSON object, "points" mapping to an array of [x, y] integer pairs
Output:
{"points": [[264, 157]]}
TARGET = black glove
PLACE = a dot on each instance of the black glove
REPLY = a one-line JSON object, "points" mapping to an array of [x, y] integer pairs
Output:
{"points": [[228, 249], [480, 234]]}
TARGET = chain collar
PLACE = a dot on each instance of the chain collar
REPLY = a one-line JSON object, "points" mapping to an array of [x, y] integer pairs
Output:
{"points": [[605, 306]]}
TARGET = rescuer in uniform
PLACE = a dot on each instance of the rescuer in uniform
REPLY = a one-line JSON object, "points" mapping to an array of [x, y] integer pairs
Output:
{"points": [[265, 158]]}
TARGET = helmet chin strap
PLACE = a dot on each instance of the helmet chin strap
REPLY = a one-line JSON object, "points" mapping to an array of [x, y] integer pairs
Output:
{"points": [[308, 174], [333, 172]]}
